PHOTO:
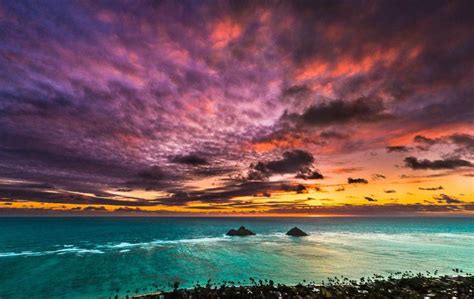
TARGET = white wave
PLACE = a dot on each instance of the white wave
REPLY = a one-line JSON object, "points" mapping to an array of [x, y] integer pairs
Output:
{"points": [[459, 235], [122, 245], [9, 254], [164, 242], [277, 238], [74, 250], [201, 240], [330, 238], [48, 252]]}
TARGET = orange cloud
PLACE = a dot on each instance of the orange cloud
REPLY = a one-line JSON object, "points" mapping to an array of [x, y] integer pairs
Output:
{"points": [[347, 65], [440, 131], [225, 32], [283, 142]]}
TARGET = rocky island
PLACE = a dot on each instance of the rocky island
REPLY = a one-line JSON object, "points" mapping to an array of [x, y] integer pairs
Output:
{"points": [[241, 232], [296, 232]]}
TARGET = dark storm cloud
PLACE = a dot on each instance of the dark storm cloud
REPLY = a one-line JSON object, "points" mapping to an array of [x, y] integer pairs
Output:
{"points": [[17, 194], [31, 157], [390, 191], [333, 135], [339, 111], [28, 186], [292, 161], [296, 90], [223, 194], [210, 170], [397, 149], [191, 159], [424, 140], [300, 189], [464, 143], [465, 140], [431, 188], [357, 181], [454, 110], [378, 176], [154, 173], [443, 198], [310, 175], [151, 178], [415, 164], [295, 161], [370, 198]]}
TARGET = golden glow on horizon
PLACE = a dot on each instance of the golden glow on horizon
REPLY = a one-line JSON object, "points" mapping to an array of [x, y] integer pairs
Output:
{"points": [[331, 193], [406, 193]]}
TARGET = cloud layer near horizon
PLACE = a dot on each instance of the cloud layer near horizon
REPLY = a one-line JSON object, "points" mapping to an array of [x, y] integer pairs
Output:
{"points": [[194, 104]]}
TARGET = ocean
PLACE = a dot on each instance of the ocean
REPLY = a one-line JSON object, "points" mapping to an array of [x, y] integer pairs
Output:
{"points": [[86, 257]]}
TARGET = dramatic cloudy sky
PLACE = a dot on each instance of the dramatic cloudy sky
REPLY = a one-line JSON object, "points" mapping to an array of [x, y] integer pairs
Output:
{"points": [[217, 107]]}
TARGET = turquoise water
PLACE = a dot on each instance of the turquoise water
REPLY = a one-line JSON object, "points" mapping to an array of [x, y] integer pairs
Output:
{"points": [[95, 257]]}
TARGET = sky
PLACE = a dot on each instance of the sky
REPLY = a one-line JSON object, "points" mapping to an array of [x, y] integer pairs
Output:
{"points": [[247, 108]]}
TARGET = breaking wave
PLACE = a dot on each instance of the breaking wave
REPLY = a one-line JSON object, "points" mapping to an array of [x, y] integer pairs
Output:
{"points": [[334, 238]]}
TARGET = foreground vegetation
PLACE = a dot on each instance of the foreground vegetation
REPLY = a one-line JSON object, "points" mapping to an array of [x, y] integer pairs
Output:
{"points": [[398, 285]]}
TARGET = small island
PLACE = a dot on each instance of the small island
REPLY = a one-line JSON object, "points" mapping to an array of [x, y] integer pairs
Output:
{"points": [[241, 232], [296, 232]]}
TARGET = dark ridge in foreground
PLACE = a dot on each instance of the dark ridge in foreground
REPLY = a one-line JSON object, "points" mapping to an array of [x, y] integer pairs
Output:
{"points": [[406, 285]]}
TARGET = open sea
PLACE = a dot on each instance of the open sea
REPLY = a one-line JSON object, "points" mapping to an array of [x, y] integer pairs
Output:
{"points": [[81, 257]]}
